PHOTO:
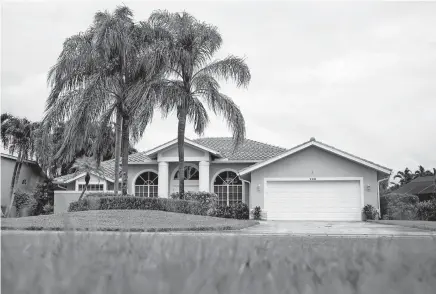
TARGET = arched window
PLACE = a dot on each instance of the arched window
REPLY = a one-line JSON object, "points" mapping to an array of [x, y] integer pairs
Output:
{"points": [[146, 184], [191, 173], [228, 187]]}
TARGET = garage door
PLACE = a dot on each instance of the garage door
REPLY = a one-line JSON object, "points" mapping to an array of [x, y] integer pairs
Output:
{"points": [[313, 200]]}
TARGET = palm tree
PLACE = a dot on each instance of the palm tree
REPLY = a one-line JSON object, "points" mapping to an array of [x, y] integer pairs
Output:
{"points": [[110, 71], [87, 165], [17, 135], [405, 176], [422, 172], [191, 46]]}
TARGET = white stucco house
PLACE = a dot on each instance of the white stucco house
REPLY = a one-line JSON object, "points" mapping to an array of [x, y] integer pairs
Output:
{"points": [[312, 181]]}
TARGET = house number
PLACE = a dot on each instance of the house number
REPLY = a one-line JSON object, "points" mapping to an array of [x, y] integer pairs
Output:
{"points": [[312, 179]]}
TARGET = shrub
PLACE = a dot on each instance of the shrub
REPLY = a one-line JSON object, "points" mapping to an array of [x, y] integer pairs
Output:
{"points": [[140, 203], [398, 206], [208, 201], [257, 213], [426, 210], [236, 211], [241, 211], [44, 196], [224, 211], [25, 204], [370, 212]]}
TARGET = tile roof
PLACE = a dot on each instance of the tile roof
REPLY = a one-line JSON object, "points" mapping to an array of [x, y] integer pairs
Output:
{"points": [[421, 185], [249, 150]]}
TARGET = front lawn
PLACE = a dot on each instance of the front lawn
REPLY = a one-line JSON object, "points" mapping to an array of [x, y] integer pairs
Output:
{"points": [[44, 262], [124, 220]]}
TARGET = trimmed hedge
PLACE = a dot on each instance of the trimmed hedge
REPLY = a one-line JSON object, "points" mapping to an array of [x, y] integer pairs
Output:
{"points": [[236, 211], [140, 203], [208, 201]]}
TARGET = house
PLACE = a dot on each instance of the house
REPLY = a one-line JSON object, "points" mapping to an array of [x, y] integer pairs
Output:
{"points": [[30, 175], [312, 181], [423, 187]]}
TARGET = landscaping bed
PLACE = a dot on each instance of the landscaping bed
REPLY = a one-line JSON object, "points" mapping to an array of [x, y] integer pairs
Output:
{"points": [[124, 220]]}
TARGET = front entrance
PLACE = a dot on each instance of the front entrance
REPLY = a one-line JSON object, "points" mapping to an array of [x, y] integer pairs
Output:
{"points": [[191, 176]]}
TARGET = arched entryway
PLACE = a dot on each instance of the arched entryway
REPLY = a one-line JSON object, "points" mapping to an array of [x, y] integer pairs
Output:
{"points": [[191, 176], [228, 187], [146, 184]]}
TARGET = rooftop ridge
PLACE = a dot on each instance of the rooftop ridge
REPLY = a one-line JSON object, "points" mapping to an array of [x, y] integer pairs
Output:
{"points": [[246, 139]]}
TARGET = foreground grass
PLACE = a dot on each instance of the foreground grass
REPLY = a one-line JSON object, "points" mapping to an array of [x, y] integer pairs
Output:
{"points": [[124, 220], [133, 263]]}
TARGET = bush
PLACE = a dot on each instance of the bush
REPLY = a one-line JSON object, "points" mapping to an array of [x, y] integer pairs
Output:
{"points": [[44, 196], [140, 203], [370, 212], [398, 206], [208, 201], [257, 213], [25, 204], [426, 210], [236, 211], [241, 211]]}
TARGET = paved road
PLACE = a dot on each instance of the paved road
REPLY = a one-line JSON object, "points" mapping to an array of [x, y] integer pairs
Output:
{"points": [[288, 228]]}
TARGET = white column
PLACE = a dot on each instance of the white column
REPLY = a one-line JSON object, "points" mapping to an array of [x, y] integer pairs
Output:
{"points": [[163, 180], [204, 176]]}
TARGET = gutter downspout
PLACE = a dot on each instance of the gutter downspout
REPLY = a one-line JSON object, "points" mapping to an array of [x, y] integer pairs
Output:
{"points": [[378, 191]]}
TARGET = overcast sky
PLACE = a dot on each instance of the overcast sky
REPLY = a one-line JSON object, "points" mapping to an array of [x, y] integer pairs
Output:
{"points": [[358, 76]]}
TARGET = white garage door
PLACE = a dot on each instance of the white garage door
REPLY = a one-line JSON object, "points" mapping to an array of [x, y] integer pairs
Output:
{"points": [[313, 200]]}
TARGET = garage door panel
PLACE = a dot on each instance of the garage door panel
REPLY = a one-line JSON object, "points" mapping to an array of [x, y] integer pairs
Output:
{"points": [[308, 200]]}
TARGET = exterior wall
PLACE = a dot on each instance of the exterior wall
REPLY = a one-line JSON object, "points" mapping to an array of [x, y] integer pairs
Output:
{"points": [[63, 200], [28, 172], [189, 152], [313, 162], [135, 170]]}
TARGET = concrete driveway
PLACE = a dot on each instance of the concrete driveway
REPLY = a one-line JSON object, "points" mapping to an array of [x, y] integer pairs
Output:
{"points": [[325, 228]]}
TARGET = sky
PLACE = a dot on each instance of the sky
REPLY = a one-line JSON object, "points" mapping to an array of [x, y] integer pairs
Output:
{"points": [[360, 76]]}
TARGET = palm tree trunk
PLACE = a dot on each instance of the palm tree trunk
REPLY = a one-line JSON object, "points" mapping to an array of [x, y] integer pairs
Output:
{"points": [[125, 153], [181, 144], [117, 152], [15, 178], [83, 192]]}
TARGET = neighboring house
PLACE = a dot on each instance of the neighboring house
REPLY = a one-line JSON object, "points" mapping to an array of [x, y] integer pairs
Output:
{"points": [[30, 175], [423, 187], [312, 181]]}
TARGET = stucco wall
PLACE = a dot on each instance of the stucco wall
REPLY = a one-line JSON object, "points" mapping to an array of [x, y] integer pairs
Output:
{"points": [[189, 152], [28, 172], [63, 200], [313, 162]]}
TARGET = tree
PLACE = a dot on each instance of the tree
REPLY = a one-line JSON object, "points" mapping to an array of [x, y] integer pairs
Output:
{"points": [[108, 72], [86, 165], [62, 164], [422, 172], [17, 135], [193, 77], [405, 176]]}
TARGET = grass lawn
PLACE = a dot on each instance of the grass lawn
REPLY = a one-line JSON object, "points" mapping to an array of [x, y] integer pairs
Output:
{"points": [[124, 220], [424, 225], [86, 262]]}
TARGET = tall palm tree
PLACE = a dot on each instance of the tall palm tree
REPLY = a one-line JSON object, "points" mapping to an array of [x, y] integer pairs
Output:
{"points": [[193, 77], [17, 135], [108, 72], [422, 172], [87, 165], [405, 176]]}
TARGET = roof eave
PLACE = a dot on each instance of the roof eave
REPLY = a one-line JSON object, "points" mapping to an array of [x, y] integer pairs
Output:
{"points": [[307, 144]]}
